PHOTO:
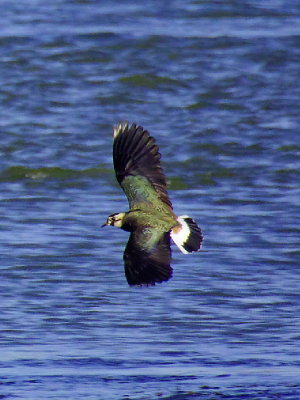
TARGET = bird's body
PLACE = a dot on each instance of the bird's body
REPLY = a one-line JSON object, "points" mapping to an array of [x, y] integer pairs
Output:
{"points": [[151, 219]]}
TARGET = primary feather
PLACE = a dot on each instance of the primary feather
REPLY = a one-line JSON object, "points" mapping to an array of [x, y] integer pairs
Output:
{"points": [[137, 165]]}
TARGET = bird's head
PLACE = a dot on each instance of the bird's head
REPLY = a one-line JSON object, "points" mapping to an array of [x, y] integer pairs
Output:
{"points": [[115, 220]]}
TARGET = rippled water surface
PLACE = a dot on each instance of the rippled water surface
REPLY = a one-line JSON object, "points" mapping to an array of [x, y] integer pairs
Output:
{"points": [[217, 84]]}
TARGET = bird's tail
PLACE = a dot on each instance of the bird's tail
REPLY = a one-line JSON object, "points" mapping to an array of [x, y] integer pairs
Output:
{"points": [[187, 236]]}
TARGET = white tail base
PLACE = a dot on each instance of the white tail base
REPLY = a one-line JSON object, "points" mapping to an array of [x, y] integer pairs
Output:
{"points": [[181, 236]]}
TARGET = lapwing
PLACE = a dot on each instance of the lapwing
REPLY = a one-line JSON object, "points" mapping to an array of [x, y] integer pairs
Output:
{"points": [[150, 219]]}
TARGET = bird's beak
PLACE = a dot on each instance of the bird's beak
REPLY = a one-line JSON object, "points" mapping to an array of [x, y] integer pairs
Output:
{"points": [[102, 226]]}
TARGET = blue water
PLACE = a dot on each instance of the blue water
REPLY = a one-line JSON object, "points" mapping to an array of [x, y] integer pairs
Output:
{"points": [[217, 85]]}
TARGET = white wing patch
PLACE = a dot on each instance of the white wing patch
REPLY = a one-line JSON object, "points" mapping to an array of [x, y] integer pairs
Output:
{"points": [[181, 236]]}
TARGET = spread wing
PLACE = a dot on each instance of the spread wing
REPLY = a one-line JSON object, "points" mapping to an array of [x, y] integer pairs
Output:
{"points": [[137, 166], [147, 257]]}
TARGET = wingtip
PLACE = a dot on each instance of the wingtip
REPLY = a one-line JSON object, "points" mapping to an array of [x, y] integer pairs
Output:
{"points": [[150, 278], [120, 127]]}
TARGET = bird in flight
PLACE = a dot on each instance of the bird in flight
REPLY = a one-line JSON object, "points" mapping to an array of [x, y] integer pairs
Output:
{"points": [[150, 219]]}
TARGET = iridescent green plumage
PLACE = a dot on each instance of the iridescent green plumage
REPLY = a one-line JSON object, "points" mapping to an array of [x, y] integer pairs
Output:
{"points": [[137, 165], [151, 219]]}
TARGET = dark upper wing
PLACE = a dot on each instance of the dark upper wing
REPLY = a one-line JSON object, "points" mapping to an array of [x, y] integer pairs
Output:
{"points": [[137, 165], [147, 257]]}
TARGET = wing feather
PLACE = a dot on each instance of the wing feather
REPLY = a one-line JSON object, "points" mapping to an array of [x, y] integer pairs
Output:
{"points": [[147, 257], [136, 155]]}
